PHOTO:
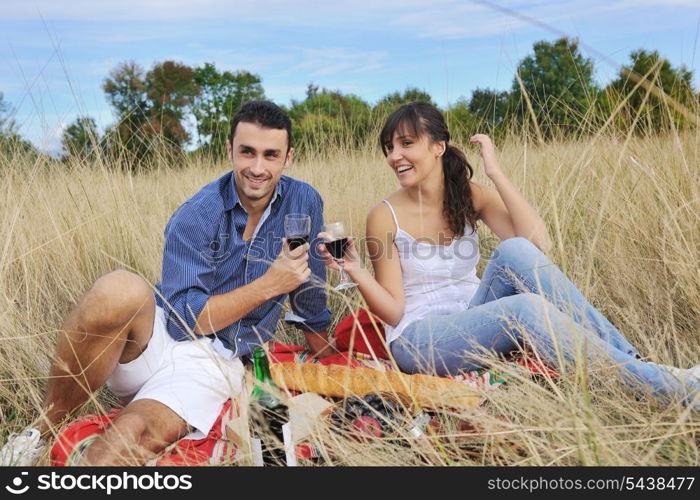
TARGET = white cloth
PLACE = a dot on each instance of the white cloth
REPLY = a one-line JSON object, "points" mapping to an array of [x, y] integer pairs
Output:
{"points": [[437, 279], [194, 378]]}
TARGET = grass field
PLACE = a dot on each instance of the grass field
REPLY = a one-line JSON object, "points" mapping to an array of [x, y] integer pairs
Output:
{"points": [[623, 214]]}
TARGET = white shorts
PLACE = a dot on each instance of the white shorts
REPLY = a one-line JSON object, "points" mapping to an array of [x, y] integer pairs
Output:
{"points": [[189, 377]]}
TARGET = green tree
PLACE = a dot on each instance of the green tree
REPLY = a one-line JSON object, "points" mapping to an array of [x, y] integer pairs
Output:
{"points": [[125, 89], [171, 90], [330, 118], [150, 109], [10, 140], [131, 136], [221, 95], [80, 138], [558, 83], [390, 102], [8, 126], [490, 107], [311, 90], [642, 89], [461, 121]]}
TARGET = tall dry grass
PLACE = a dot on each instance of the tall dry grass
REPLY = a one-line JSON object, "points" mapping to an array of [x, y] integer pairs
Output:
{"points": [[622, 212]]}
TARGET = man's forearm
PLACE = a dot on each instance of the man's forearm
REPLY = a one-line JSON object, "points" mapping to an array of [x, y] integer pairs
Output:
{"points": [[225, 309]]}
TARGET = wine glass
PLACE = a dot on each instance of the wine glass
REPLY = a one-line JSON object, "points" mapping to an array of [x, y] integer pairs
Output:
{"points": [[296, 229], [337, 246]]}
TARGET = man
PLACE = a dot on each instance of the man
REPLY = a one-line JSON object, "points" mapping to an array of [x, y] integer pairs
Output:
{"points": [[175, 355]]}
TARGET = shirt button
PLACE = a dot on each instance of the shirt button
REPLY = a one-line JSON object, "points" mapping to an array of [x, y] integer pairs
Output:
{"points": [[239, 340]]}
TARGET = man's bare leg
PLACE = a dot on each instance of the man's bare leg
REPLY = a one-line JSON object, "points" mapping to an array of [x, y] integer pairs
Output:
{"points": [[140, 431], [112, 324]]}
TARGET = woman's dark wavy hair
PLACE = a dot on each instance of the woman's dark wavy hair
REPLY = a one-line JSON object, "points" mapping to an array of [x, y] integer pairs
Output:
{"points": [[418, 118]]}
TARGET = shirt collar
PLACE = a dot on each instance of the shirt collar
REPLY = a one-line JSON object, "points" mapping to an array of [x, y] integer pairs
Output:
{"points": [[231, 198]]}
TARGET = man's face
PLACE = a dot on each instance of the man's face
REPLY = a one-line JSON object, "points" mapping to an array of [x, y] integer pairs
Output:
{"points": [[258, 155]]}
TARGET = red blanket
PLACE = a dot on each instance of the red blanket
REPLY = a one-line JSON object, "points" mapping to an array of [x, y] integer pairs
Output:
{"points": [[359, 337]]}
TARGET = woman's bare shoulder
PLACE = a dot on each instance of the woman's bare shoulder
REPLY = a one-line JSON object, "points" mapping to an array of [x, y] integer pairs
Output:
{"points": [[380, 218]]}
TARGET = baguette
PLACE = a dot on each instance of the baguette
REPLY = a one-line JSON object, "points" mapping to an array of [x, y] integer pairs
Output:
{"points": [[343, 381]]}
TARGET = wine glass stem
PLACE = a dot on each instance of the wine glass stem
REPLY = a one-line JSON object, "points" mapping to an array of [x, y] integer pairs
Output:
{"points": [[343, 274]]}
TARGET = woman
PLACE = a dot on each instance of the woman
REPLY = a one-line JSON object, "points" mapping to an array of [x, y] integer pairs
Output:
{"points": [[422, 241]]}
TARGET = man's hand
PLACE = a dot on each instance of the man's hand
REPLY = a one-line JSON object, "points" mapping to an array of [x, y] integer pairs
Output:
{"points": [[290, 269], [319, 345]]}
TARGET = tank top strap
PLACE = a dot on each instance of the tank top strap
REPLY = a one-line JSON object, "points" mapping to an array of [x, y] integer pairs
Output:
{"points": [[393, 214]]}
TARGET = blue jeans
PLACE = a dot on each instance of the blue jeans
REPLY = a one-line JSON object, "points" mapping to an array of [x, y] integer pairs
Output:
{"points": [[524, 298]]}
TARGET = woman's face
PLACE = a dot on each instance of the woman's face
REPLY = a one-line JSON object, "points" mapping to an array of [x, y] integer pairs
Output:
{"points": [[413, 159]]}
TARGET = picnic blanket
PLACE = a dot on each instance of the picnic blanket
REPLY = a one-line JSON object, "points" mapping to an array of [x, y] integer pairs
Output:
{"points": [[360, 339]]}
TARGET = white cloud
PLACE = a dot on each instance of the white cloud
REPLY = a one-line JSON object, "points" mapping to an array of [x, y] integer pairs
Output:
{"points": [[123, 38], [439, 19], [286, 90], [661, 3], [484, 18], [334, 60], [254, 61], [111, 9], [480, 19], [290, 11]]}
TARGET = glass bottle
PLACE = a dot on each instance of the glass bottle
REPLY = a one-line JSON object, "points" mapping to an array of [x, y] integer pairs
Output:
{"points": [[269, 414]]}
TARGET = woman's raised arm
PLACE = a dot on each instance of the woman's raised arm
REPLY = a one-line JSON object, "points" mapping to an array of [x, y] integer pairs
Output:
{"points": [[504, 210]]}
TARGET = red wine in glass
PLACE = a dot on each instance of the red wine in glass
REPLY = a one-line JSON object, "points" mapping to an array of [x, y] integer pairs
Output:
{"points": [[297, 241], [337, 244], [337, 247], [296, 229]]}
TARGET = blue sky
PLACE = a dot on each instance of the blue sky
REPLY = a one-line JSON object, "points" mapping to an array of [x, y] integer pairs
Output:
{"points": [[55, 54]]}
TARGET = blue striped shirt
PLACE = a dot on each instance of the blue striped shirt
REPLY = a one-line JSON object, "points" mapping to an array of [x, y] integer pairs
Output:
{"points": [[205, 255]]}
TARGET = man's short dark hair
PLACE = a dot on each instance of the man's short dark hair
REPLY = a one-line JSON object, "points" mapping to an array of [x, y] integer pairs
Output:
{"points": [[265, 114]]}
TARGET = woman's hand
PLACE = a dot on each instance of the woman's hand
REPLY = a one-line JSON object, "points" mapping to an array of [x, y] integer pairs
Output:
{"points": [[351, 259], [488, 153], [504, 210]]}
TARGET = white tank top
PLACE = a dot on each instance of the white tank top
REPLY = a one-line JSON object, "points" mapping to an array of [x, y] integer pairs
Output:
{"points": [[437, 279]]}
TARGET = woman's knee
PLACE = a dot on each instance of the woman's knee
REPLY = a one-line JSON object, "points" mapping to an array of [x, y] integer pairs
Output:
{"points": [[529, 307], [516, 250], [517, 243], [115, 299]]}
